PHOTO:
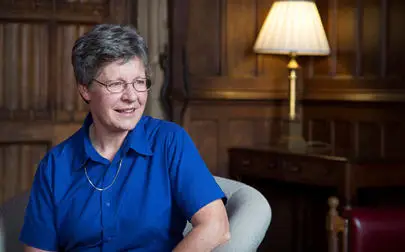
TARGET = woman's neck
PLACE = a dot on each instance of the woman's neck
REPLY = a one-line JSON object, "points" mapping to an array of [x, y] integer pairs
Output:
{"points": [[106, 143]]}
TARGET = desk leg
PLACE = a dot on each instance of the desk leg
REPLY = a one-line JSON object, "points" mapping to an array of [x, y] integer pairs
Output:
{"points": [[349, 188], [298, 232]]}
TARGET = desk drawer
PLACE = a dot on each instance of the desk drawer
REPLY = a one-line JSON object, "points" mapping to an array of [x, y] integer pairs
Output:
{"points": [[255, 164], [312, 171], [288, 168]]}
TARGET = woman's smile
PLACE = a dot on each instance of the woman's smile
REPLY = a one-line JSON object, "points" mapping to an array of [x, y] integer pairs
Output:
{"points": [[126, 111]]}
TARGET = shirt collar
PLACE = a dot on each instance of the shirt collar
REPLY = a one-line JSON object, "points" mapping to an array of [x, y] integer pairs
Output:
{"points": [[136, 140]]}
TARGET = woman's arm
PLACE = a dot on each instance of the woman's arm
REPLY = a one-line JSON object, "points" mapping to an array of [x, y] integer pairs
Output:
{"points": [[210, 229]]}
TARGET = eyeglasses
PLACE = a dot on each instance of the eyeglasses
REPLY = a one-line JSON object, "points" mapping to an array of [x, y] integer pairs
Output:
{"points": [[140, 85]]}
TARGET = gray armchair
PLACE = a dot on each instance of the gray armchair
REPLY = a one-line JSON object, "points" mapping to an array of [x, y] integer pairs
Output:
{"points": [[249, 216], [248, 211]]}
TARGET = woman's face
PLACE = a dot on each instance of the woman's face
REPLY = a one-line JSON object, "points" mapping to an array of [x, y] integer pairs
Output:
{"points": [[117, 112]]}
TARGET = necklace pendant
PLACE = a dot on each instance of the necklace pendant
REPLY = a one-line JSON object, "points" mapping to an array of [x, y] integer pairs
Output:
{"points": [[105, 188]]}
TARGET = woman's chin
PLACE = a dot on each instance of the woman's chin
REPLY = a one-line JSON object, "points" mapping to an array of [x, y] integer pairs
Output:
{"points": [[125, 127], [123, 123]]}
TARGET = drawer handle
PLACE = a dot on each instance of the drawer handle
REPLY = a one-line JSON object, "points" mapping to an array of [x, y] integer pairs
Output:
{"points": [[291, 167], [271, 166], [294, 168], [246, 163]]}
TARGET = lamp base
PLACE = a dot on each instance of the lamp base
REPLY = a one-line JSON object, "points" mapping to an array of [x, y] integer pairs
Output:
{"points": [[291, 138]]}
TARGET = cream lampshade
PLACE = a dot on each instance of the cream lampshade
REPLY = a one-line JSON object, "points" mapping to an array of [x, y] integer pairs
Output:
{"points": [[292, 28]]}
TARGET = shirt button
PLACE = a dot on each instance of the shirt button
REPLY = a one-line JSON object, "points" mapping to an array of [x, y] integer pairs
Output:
{"points": [[107, 204]]}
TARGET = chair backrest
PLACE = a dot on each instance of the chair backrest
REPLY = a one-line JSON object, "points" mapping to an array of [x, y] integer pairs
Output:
{"points": [[248, 211], [376, 229], [2, 234], [11, 221], [365, 229]]}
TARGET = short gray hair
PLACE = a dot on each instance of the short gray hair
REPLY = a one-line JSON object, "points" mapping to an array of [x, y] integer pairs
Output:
{"points": [[106, 43]]}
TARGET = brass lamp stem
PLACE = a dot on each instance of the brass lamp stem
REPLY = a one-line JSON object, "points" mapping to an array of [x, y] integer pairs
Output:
{"points": [[292, 66]]}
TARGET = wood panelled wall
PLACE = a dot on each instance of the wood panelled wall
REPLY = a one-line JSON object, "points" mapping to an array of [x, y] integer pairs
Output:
{"points": [[364, 73], [39, 106], [226, 95]]}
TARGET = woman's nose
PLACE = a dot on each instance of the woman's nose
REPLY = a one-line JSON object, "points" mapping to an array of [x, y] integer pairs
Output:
{"points": [[129, 93]]}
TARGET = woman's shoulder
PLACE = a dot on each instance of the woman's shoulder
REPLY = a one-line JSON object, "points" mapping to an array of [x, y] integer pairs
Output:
{"points": [[163, 133], [64, 149], [161, 126]]}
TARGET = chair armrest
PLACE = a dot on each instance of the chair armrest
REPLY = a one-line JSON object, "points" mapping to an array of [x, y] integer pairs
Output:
{"points": [[249, 216]]}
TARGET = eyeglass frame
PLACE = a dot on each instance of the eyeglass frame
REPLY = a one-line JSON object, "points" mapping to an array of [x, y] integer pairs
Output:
{"points": [[148, 85]]}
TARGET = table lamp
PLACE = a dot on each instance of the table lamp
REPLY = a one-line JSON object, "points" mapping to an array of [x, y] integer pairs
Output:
{"points": [[293, 28]]}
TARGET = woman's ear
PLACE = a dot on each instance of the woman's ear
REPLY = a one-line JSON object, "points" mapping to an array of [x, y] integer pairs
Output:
{"points": [[84, 92]]}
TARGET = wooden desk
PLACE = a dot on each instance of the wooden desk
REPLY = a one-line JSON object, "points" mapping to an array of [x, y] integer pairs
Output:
{"points": [[316, 169]]}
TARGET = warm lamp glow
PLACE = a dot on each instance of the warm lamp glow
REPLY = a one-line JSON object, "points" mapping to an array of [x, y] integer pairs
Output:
{"points": [[292, 27]]}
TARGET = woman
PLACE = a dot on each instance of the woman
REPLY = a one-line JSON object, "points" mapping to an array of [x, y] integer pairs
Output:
{"points": [[123, 182]]}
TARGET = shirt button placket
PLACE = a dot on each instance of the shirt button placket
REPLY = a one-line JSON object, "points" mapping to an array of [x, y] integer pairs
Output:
{"points": [[107, 210]]}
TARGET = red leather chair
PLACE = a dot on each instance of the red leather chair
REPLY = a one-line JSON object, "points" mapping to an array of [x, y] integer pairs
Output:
{"points": [[363, 229]]}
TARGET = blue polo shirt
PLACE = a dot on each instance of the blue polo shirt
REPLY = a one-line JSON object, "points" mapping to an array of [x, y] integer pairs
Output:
{"points": [[162, 182]]}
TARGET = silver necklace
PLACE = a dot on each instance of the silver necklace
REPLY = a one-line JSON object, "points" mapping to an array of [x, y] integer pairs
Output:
{"points": [[105, 188]]}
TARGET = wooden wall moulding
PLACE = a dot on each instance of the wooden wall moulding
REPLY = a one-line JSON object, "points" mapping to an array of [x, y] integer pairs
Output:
{"points": [[73, 11], [55, 10], [98, 9], [354, 89], [356, 95], [230, 95]]}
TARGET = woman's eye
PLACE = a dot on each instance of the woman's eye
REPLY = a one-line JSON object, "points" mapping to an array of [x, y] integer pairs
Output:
{"points": [[141, 82], [115, 84]]}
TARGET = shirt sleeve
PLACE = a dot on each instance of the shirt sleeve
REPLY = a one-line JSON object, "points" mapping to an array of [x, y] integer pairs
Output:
{"points": [[192, 183], [39, 230]]}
